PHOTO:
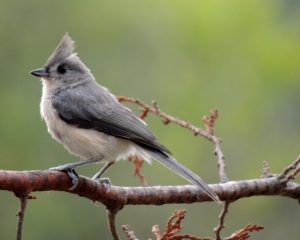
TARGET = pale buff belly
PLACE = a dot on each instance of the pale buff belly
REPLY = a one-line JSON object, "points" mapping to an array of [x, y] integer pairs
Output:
{"points": [[88, 143]]}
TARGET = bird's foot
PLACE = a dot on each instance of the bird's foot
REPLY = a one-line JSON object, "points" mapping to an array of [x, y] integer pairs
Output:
{"points": [[61, 168], [71, 173], [104, 181]]}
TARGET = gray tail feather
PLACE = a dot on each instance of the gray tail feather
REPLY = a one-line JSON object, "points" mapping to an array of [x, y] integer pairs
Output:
{"points": [[186, 173]]}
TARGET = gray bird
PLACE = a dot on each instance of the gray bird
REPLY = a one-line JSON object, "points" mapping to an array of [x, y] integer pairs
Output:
{"points": [[90, 122]]}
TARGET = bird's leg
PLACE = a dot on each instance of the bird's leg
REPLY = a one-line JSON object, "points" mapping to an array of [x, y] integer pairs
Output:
{"points": [[70, 166], [69, 169], [102, 170]]}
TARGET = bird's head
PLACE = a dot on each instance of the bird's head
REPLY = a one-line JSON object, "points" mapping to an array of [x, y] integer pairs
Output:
{"points": [[63, 67]]}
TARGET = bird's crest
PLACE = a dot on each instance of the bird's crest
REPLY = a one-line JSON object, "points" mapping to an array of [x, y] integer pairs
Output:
{"points": [[64, 49]]}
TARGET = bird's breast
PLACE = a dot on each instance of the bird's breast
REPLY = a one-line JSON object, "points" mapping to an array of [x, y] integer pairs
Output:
{"points": [[86, 143], [56, 127]]}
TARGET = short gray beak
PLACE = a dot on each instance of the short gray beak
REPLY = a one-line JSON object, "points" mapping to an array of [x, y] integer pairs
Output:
{"points": [[40, 72]]}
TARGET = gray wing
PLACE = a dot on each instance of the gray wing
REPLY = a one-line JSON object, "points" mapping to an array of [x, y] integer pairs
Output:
{"points": [[93, 107]]}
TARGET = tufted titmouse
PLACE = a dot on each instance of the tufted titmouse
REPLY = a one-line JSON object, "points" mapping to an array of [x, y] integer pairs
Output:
{"points": [[89, 121]]}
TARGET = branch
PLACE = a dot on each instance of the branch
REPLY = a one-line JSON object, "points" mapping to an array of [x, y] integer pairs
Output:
{"points": [[166, 118], [174, 227], [243, 233], [208, 132], [221, 225], [115, 197], [21, 214], [111, 215], [291, 171], [209, 123]]}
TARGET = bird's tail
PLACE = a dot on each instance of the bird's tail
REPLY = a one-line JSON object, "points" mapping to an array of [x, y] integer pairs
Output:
{"points": [[184, 172]]}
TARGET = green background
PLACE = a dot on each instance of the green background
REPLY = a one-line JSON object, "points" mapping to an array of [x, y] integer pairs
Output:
{"points": [[241, 57]]}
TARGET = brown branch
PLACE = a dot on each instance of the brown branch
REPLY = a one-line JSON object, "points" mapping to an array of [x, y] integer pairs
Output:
{"points": [[243, 233], [111, 216], [291, 171], [173, 228], [290, 167], [266, 170], [208, 133], [21, 214], [221, 225], [223, 178], [166, 118], [138, 163], [115, 197], [175, 225], [210, 120], [209, 123], [221, 159]]}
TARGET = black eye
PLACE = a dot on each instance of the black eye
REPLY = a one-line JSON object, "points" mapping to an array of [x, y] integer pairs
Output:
{"points": [[62, 68]]}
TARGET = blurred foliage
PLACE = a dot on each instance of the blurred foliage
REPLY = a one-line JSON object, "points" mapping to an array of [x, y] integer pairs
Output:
{"points": [[241, 57]]}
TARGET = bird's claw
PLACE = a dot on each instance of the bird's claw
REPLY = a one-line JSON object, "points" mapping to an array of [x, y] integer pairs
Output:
{"points": [[61, 168], [104, 181], [71, 173]]}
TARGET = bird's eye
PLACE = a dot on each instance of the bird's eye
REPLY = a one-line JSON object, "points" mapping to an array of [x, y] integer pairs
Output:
{"points": [[62, 68]]}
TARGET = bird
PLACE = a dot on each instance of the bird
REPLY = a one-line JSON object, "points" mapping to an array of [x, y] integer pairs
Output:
{"points": [[89, 121]]}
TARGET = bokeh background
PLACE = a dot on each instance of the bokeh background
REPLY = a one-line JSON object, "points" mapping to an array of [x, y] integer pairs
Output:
{"points": [[241, 57]]}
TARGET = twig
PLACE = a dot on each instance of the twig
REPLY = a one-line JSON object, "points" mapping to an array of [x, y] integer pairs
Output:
{"points": [[221, 159], [166, 118], [293, 175], [223, 179], [174, 224], [138, 163], [209, 123], [173, 228], [207, 133], [266, 170], [209, 120], [111, 216], [288, 173], [129, 232], [221, 225], [21, 214], [243, 233]]}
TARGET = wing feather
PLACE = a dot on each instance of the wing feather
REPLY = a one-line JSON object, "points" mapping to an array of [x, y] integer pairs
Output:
{"points": [[101, 112]]}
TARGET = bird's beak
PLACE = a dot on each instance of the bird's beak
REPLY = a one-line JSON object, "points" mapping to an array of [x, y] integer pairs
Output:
{"points": [[40, 72]]}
